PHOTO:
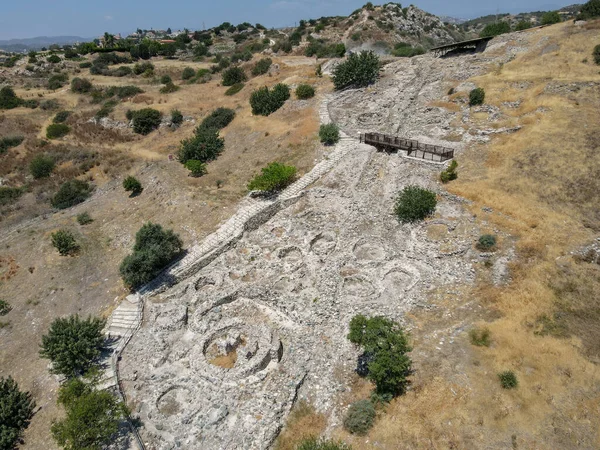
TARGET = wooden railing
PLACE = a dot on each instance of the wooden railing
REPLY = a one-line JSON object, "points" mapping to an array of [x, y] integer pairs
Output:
{"points": [[413, 147]]}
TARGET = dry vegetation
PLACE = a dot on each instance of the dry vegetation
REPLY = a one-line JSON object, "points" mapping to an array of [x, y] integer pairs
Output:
{"points": [[42, 285], [543, 186]]}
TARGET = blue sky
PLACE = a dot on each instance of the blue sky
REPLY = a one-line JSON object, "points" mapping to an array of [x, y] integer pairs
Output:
{"points": [[21, 19]]}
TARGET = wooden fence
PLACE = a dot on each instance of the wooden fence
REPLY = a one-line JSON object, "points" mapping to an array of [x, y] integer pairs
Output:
{"points": [[413, 147]]}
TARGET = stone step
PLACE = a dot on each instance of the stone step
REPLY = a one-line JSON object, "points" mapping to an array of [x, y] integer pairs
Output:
{"points": [[118, 331]]}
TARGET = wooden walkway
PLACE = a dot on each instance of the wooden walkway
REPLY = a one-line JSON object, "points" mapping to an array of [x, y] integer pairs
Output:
{"points": [[477, 45], [414, 149]]}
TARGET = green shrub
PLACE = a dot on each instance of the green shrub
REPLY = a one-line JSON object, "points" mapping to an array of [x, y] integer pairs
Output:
{"points": [[5, 307], [154, 249], [146, 120], [495, 29], [85, 65], [64, 242], [204, 146], [360, 417], [188, 73], [16, 411], [84, 218], [123, 91], [57, 130], [414, 203], [385, 345], [8, 98], [176, 117], [522, 25], [359, 70], [312, 443], [92, 416], [81, 85], [9, 195], [235, 89], [486, 242], [71, 193], [480, 337], [262, 66], [219, 118], [233, 76], [449, 173], [407, 51], [196, 168], [305, 91], [57, 81], [41, 166], [106, 109], [476, 97], [61, 116], [589, 10], [265, 102], [132, 184], [10, 142], [274, 177], [30, 103], [508, 379], [329, 134], [169, 88], [551, 17], [140, 68], [50, 105], [166, 79], [54, 59], [596, 54], [73, 345]]}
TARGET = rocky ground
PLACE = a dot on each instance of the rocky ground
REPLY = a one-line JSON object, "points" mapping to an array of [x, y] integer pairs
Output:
{"points": [[223, 356]]}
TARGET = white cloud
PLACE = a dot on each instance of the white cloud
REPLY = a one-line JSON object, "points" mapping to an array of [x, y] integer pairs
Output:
{"points": [[108, 17]]}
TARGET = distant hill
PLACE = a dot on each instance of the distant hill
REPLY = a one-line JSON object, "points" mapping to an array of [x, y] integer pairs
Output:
{"points": [[36, 43]]}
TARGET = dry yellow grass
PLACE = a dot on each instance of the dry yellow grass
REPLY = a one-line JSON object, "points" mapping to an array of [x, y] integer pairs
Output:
{"points": [[303, 422], [543, 184]]}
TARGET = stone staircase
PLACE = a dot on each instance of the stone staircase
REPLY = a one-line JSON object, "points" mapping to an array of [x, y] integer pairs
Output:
{"points": [[127, 317]]}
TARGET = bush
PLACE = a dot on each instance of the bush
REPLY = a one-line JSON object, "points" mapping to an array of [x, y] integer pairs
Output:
{"points": [[106, 109], [329, 134], [508, 379], [313, 443], [414, 203], [154, 249], [204, 146], [30, 103], [5, 307], [57, 81], [486, 242], [589, 10], [596, 54], [16, 411], [196, 168], [41, 166], [480, 337], [551, 17], [169, 88], [54, 59], [140, 68], [495, 29], [219, 118], [10, 142], [262, 66], [360, 417], [64, 242], [386, 345], [73, 345], [92, 416], [522, 25], [132, 184], [274, 177], [84, 218], [61, 116], [8, 98], [9, 195], [235, 89], [449, 173], [359, 70], [123, 91], [146, 120], [57, 130], [233, 76], [476, 97], [50, 105], [407, 51], [305, 91], [81, 85], [85, 65], [71, 193], [265, 101], [166, 79], [176, 117]]}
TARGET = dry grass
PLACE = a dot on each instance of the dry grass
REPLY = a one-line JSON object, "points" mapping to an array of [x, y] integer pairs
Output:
{"points": [[303, 422], [543, 184]]}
